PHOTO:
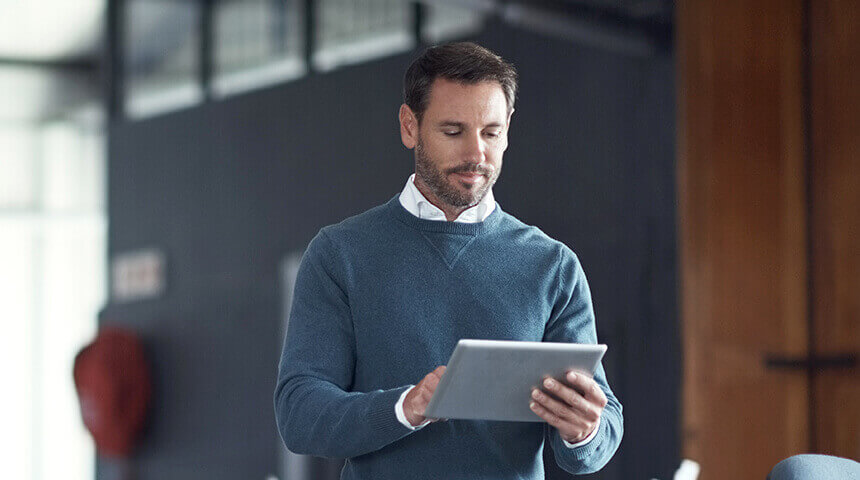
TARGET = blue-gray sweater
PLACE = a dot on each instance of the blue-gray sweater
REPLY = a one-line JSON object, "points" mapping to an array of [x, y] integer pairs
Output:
{"points": [[382, 298]]}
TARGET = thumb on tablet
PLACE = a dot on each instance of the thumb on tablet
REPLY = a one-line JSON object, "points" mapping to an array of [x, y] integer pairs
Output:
{"points": [[419, 397]]}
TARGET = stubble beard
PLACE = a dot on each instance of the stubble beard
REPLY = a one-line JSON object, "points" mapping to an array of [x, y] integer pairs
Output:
{"points": [[445, 191]]}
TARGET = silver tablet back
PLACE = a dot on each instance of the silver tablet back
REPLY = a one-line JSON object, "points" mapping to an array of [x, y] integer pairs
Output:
{"points": [[493, 379]]}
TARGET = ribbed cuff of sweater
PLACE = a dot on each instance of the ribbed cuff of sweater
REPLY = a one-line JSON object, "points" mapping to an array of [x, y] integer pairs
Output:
{"points": [[584, 451], [585, 440], [382, 417], [401, 415]]}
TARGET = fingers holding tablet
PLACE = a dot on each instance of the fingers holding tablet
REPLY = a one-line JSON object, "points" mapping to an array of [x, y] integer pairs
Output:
{"points": [[572, 406], [415, 404]]}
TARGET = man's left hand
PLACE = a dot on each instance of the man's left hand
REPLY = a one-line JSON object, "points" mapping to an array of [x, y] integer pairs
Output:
{"points": [[573, 407]]}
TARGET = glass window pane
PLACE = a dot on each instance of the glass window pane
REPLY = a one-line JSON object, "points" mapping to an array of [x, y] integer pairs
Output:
{"points": [[257, 42], [72, 168], [51, 286], [161, 58], [18, 168], [449, 22], [350, 32], [72, 279], [18, 296]]}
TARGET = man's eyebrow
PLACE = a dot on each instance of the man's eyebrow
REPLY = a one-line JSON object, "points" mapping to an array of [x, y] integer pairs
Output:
{"points": [[453, 123]]}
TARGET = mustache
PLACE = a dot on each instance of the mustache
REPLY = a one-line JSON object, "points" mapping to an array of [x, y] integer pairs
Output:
{"points": [[485, 171]]}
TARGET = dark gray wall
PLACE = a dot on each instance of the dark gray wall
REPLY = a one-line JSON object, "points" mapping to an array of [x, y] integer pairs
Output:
{"points": [[229, 188]]}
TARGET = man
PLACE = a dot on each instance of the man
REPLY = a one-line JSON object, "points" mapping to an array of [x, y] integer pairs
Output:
{"points": [[382, 298]]}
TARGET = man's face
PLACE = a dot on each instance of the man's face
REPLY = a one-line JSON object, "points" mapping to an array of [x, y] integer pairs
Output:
{"points": [[460, 141]]}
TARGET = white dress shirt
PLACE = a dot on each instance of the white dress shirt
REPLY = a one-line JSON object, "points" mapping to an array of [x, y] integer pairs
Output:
{"points": [[417, 204]]}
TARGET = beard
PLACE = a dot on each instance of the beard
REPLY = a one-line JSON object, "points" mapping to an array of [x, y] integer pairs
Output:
{"points": [[446, 191]]}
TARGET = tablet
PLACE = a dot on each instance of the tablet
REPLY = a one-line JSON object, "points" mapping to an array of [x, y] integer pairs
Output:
{"points": [[493, 379]]}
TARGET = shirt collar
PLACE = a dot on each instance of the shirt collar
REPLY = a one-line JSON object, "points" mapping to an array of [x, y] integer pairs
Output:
{"points": [[417, 204]]}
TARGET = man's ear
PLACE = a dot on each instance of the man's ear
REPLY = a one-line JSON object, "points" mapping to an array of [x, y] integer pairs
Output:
{"points": [[408, 127]]}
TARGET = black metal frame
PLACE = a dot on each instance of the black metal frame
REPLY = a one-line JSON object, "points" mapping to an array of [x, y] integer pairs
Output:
{"points": [[419, 14], [114, 71], [310, 35], [206, 51], [81, 65]]}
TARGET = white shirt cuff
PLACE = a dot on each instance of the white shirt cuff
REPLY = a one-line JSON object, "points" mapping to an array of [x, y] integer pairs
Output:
{"points": [[401, 417], [584, 440]]}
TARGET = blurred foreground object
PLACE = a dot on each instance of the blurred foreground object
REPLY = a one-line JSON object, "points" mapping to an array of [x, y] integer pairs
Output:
{"points": [[114, 387], [689, 470], [815, 467]]}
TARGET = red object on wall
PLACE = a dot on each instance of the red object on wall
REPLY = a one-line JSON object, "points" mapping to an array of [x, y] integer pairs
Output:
{"points": [[114, 387]]}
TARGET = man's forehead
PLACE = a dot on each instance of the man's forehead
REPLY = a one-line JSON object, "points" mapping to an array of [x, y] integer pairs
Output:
{"points": [[449, 100], [442, 86]]}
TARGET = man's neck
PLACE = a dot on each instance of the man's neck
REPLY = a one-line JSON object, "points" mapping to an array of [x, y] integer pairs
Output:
{"points": [[451, 212]]}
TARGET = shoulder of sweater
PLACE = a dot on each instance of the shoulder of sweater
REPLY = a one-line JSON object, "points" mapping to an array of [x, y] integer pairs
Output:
{"points": [[371, 218], [535, 237]]}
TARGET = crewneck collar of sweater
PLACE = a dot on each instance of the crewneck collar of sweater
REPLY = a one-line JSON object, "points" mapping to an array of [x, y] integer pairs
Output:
{"points": [[425, 225]]}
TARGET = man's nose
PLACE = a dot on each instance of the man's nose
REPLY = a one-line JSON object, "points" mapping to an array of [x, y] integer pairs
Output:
{"points": [[475, 149]]}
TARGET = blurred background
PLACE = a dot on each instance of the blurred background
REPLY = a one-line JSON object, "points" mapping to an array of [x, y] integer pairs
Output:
{"points": [[163, 164]]}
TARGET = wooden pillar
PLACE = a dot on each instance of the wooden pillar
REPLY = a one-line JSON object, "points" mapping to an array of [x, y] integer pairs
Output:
{"points": [[835, 201], [743, 232]]}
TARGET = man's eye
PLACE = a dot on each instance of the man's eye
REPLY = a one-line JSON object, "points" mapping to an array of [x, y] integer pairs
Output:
{"points": [[452, 133], [492, 134]]}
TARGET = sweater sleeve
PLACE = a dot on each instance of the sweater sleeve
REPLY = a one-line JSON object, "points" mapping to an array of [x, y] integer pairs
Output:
{"points": [[572, 320], [315, 410]]}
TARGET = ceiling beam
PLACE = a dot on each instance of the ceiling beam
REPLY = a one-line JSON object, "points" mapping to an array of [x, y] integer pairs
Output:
{"points": [[640, 29], [611, 30]]}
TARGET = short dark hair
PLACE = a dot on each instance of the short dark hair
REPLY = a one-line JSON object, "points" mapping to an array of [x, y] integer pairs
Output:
{"points": [[464, 62]]}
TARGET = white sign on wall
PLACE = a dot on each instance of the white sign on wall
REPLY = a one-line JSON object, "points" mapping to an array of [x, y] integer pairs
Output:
{"points": [[138, 275]]}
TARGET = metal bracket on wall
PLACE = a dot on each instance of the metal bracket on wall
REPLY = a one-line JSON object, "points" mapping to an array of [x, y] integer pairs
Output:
{"points": [[812, 362]]}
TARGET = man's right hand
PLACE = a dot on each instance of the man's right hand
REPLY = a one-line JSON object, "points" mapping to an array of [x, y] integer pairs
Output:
{"points": [[417, 399]]}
